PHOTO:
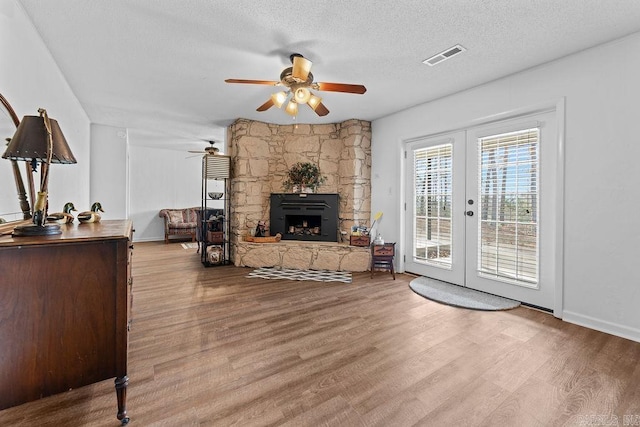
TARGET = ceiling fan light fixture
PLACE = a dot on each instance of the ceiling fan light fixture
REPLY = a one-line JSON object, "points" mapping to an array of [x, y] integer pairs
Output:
{"points": [[292, 108], [302, 95], [314, 101], [298, 82], [278, 98]]}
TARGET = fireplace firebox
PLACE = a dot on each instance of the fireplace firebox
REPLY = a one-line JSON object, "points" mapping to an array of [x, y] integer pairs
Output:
{"points": [[304, 216]]}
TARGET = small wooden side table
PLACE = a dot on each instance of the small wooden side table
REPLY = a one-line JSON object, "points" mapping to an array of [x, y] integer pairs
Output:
{"points": [[382, 258]]}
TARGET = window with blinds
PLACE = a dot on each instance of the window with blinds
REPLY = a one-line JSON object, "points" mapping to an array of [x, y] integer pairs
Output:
{"points": [[432, 205], [508, 189]]}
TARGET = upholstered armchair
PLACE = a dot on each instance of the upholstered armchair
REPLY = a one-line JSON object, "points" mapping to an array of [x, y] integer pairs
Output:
{"points": [[180, 222]]}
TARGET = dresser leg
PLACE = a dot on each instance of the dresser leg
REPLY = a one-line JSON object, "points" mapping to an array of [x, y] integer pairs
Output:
{"points": [[121, 394]]}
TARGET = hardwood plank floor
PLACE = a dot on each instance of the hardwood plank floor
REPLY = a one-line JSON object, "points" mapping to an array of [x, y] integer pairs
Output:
{"points": [[210, 347]]}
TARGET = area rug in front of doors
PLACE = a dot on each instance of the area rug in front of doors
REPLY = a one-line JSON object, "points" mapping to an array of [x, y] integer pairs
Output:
{"points": [[459, 296], [291, 274]]}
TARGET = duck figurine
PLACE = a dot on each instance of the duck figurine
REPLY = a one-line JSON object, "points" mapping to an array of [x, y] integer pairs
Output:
{"points": [[64, 217], [92, 215]]}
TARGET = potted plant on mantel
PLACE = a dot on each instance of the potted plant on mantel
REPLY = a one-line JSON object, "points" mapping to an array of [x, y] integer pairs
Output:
{"points": [[303, 177]]}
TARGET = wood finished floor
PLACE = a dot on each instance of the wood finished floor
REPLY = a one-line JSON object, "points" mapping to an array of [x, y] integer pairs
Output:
{"points": [[209, 347]]}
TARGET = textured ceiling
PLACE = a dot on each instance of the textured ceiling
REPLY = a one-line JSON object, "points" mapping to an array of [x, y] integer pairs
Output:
{"points": [[159, 66]]}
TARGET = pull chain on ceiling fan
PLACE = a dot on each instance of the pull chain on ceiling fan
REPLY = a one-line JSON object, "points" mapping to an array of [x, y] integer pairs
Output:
{"points": [[299, 81]]}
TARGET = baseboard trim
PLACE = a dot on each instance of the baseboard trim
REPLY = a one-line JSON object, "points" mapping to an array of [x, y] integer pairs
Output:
{"points": [[155, 239], [602, 325]]}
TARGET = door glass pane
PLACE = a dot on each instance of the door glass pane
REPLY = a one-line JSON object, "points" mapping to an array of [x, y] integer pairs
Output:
{"points": [[508, 188], [433, 189]]}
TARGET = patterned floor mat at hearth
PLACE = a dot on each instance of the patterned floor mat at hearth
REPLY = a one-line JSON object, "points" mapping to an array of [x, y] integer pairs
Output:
{"points": [[290, 274]]}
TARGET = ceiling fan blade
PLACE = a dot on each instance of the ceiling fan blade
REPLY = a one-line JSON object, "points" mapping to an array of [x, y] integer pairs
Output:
{"points": [[342, 87], [266, 105], [301, 68], [196, 151], [321, 110], [253, 82]]}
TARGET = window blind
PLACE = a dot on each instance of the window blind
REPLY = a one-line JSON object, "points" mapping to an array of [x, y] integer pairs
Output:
{"points": [[432, 205], [508, 187]]}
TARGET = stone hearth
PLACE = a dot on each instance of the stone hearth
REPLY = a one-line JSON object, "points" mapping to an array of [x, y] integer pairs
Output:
{"points": [[303, 256], [262, 153]]}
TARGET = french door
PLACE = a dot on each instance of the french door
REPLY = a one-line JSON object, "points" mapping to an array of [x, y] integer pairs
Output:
{"points": [[435, 205], [480, 208]]}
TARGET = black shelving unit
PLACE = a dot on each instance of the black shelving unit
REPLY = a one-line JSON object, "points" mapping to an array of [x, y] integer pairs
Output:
{"points": [[215, 248]]}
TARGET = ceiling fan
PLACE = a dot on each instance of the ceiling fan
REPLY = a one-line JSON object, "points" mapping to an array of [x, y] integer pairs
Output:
{"points": [[298, 82], [207, 150]]}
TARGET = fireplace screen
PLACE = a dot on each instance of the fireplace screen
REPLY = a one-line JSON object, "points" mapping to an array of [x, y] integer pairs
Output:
{"points": [[304, 216]]}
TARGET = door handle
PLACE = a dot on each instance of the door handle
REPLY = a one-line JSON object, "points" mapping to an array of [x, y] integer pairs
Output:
{"points": [[469, 213]]}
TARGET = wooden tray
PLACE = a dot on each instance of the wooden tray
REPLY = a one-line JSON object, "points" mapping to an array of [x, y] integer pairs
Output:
{"points": [[268, 239]]}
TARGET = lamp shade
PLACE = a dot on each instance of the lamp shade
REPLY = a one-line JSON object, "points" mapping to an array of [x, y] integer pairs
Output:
{"points": [[292, 108], [314, 101], [302, 95], [216, 166], [30, 142], [278, 98]]}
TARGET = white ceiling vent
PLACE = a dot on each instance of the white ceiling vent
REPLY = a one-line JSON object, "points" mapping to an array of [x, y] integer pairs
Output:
{"points": [[443, 56]]}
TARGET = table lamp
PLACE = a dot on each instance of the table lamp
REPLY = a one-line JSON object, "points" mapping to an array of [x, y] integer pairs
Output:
{"points": [[39, 139]]}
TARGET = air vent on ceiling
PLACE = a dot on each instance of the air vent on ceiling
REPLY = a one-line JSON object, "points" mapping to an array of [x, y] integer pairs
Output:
{"points": [[443, 56]]}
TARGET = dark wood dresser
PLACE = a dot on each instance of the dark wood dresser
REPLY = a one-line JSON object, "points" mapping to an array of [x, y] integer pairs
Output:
{"points": [[64, 311]]}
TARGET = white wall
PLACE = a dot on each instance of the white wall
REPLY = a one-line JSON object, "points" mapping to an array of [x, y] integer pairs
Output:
{"points": [[160, 178], [162, 173], [30, 79], [109, 160], [602, 178]]}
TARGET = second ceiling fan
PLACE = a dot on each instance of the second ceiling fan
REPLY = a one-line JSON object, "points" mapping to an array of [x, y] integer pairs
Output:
{"points": [[299, 82], [207, 150]]}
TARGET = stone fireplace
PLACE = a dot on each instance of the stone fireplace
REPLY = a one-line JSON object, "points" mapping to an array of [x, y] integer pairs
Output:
{"points": [[262, 153]]}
